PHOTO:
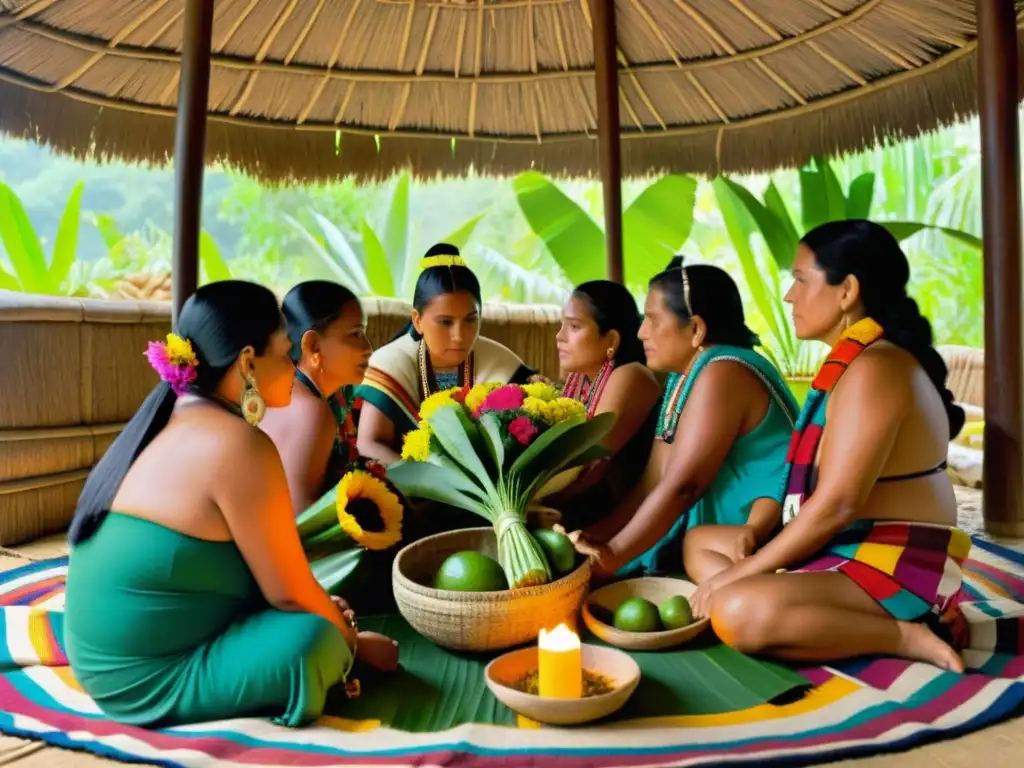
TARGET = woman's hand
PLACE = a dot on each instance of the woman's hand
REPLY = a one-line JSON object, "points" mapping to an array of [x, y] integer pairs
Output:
{"points": [[599, 555], [700, 602], [744, 543], [378, 651]]}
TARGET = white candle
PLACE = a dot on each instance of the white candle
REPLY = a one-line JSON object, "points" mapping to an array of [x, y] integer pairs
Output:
{"points": [[560, 664]]}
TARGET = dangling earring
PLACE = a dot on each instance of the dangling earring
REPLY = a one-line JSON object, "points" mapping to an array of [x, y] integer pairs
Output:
{"points": [[609, 354], [253, 405]]}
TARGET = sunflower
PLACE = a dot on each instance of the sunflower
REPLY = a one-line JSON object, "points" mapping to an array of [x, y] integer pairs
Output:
{"points": [[369, 511]]}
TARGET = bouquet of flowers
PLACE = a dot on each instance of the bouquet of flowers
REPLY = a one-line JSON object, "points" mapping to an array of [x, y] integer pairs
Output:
{"points": [[364, 511], [489, 449]]}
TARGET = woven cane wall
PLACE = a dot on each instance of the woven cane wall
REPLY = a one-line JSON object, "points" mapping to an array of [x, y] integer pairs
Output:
{"points": [[73, 373]]}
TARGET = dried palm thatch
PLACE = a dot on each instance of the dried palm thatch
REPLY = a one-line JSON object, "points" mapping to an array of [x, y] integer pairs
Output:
{"points": [[314, 89]]}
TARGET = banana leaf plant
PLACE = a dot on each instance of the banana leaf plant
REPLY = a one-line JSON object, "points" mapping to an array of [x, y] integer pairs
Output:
{"points": [[822, 199], [654, 226], [32, 271], [382, 260]]}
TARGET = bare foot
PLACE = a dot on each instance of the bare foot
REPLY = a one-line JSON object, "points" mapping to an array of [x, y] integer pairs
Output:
{"points": [[918, 642], [378, 651]]}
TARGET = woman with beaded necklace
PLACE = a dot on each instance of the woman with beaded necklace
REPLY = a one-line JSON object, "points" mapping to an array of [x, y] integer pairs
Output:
{"points": [[316, 433], [438, 349], [606, 370], [721, 438]]}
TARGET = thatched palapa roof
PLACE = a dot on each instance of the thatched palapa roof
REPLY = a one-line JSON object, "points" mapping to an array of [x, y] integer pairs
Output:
{"points": [[705, 85]]}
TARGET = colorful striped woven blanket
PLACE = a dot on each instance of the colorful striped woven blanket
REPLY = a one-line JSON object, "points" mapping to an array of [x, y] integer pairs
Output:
{"points": [[863, 707]]}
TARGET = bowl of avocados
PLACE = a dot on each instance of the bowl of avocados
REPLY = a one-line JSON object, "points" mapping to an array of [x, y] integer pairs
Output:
{"points": [[651, 613], [452, 590]]}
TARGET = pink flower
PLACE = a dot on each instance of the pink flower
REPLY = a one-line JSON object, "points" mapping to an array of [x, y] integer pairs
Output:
{"points": [[523, 430], [180, 377], [506, 398]]}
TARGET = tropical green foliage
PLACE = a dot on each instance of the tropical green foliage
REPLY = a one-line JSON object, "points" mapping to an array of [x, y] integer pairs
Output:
{"points": [[32, 271], [822, 199], [654, 226]]}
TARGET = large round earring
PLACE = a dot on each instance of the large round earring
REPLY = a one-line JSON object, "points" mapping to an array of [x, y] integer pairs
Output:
{"points": [[253, 405]]}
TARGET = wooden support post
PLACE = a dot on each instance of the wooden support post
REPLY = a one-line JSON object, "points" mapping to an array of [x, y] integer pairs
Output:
{"points": [[190, 150], [998, 85], [606, 70]]}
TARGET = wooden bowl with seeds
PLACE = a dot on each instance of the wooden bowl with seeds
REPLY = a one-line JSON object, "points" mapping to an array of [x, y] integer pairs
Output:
{"points": [[609, 679]]}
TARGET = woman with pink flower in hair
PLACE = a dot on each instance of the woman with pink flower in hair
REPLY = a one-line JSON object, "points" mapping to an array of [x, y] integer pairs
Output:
{"points": [[187, 583]]}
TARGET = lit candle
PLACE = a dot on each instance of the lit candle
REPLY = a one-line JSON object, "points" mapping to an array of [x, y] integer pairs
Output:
{"points": [[560, 664]]}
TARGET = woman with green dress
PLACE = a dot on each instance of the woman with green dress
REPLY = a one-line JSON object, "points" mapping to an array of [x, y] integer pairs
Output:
{"points": [[316, 433], [189, 597], [440, 348], [713, 484]]}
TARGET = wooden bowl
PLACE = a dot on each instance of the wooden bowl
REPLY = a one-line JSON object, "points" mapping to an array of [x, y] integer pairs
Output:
{"points": [[654, 588], [501, 673], [479, 621]]}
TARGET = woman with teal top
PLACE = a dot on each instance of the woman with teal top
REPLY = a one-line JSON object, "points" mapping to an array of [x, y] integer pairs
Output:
{"points": [[440, 348], [189, 597], [713, 485], [316, 433]]}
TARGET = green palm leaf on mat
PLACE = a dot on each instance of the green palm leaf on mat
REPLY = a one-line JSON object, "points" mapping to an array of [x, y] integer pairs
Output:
{"points": [[437, 689]]}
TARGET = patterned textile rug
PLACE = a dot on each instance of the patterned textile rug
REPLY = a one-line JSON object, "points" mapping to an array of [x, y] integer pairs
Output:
{"points": [[858, 708]]}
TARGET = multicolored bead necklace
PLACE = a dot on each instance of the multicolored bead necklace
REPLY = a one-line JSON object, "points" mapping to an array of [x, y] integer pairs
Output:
{"points": [[583, 390], [428, 381]]}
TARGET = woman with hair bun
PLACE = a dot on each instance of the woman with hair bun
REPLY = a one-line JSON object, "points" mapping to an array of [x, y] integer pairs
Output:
{"points": [[711, 491], [606, 370], [316, 433], [438, 349], [870, 538], [189, 597]]}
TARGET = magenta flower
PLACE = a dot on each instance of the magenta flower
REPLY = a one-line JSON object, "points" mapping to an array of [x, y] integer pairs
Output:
{"points": [[523, 430], [180, 377], [506, 398]]}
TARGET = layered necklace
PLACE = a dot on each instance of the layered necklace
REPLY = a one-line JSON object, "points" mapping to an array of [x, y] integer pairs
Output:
{"points": [[428, 379], [581, 388]]}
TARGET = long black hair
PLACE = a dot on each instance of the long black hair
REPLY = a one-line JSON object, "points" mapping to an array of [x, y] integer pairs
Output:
{"points": [[869, 252], [220, 319], [313, 306], [613, 308], [713, 295], [438, 281]]}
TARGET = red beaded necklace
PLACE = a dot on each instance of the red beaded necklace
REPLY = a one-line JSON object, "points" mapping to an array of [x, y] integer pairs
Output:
{"points": [[582, 389]]}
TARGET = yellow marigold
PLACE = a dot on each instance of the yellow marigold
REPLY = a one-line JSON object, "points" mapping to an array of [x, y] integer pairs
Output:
{"points": [[179, 350], [476, 395], [416, 444], [437, 400], [541, 391], [565, 408], [536, 407], [368, 511]]}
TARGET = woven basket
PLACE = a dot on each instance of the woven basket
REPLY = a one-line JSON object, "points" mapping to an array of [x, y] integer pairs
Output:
{"points": [[478, 621]]}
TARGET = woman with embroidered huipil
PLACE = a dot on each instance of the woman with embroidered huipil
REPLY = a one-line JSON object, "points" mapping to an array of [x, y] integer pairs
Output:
{"points": [[870, 535], [440, 348], [711, 490], [605, 368]]}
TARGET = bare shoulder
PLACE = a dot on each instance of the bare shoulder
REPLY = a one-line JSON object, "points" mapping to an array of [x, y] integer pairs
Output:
{"points": [[883, 373], [728, 378], [635, 380]]}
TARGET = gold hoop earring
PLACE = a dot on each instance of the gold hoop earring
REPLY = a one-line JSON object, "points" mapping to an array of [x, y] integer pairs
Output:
{"points": [[253, 405]]}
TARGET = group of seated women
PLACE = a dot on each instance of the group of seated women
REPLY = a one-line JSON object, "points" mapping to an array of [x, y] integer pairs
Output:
{"points": [[825, 532]]}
